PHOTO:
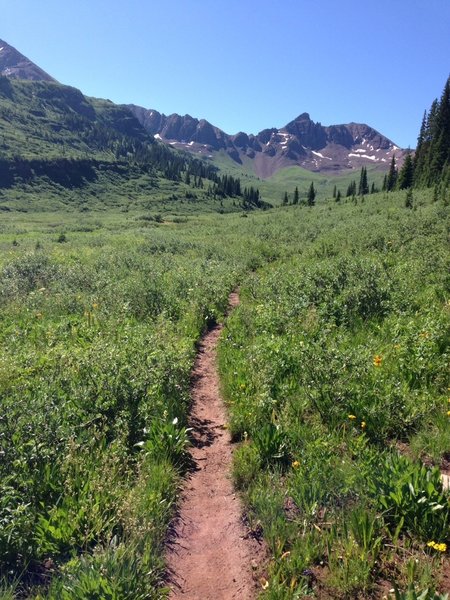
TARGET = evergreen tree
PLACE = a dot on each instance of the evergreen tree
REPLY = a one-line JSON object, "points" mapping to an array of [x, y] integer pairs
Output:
{"points": [[420, 149], [296, 196], [432, 158], [311, 195], [338, 196], [286, 198], [384, 187], [334, 192], [392, 175], [363, 185], [406, 173], [351, 190], [409, 201], [435, 193]]}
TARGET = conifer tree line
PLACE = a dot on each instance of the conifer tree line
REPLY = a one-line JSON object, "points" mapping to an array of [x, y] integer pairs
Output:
{"points": [[431, 163], [353, 190], [176, 166], [310, 198]]}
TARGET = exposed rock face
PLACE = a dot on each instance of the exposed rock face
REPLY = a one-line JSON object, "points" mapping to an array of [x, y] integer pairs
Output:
{"points": [[16, 65], [301, 142]]}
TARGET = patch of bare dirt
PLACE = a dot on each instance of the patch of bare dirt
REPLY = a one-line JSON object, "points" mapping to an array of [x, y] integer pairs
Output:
{"points": [[211, 555]]}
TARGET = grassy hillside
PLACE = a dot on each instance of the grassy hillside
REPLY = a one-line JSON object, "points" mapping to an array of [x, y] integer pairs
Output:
{"points": [[335, 369], [60, 149], [286, 180], [42, 119]]}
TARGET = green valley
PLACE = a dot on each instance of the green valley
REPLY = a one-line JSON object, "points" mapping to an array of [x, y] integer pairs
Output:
{"points": [[117, 253]]}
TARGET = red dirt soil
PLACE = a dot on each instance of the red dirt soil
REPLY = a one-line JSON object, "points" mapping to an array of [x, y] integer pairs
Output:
{"points": [[212, 556]]}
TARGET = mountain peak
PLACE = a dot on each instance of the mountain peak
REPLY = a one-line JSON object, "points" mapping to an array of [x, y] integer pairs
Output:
{"points": [[301, 142], [303, 117], [17, 66]]}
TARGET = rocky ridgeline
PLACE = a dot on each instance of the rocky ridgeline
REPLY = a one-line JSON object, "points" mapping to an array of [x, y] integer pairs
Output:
{"points": [[301, 142]]}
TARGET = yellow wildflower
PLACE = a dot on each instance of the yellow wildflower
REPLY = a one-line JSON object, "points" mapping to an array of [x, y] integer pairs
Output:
{"points": [[363, 425], [377, 360], [295, 464], [242, 386], [95, 305], [436, 546], [352, 417], [448, 413]]}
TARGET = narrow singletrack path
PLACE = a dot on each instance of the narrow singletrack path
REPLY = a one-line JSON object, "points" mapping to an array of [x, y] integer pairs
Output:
{"points": [[211, 556]]}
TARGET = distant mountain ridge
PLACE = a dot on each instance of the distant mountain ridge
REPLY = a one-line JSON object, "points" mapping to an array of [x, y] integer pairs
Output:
{"points": [[301, 142], [17, 66]]}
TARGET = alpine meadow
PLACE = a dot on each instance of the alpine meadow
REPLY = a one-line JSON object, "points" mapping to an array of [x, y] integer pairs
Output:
{"points": [[120, 244]]}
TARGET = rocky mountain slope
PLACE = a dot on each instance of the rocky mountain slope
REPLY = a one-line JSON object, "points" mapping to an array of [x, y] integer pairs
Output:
{"points": [[301, 142], [16, 65]]}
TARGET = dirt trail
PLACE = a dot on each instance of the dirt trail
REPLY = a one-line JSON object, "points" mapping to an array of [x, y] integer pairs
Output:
{"points": [[211, 556]]}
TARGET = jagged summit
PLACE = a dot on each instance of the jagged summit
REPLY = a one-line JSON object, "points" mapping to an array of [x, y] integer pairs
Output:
{"points": [[301, 142], [16, 65]]}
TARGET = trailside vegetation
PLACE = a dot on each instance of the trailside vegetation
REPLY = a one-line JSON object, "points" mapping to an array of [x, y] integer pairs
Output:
{"points": [[335, 368], [100, 316]]}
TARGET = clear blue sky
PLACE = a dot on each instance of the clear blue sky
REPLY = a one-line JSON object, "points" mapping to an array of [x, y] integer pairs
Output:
{"points": [[246, 64]]}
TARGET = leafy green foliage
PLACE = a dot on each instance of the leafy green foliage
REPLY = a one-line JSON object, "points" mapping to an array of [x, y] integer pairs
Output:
{"points": [[270, 441], [166, 440], [344, 345], [412, 497]]}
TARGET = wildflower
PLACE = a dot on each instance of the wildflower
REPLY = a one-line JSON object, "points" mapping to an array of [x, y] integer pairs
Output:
{"points": [[352, 417], [436, 546], [95, 305], [363, 424], [448, 413], [295, 464], [242, 386], [377, 360], [264, 583]]}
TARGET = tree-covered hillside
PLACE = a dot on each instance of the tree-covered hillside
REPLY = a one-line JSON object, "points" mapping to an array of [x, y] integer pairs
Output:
{"points": [[53, 136]]}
